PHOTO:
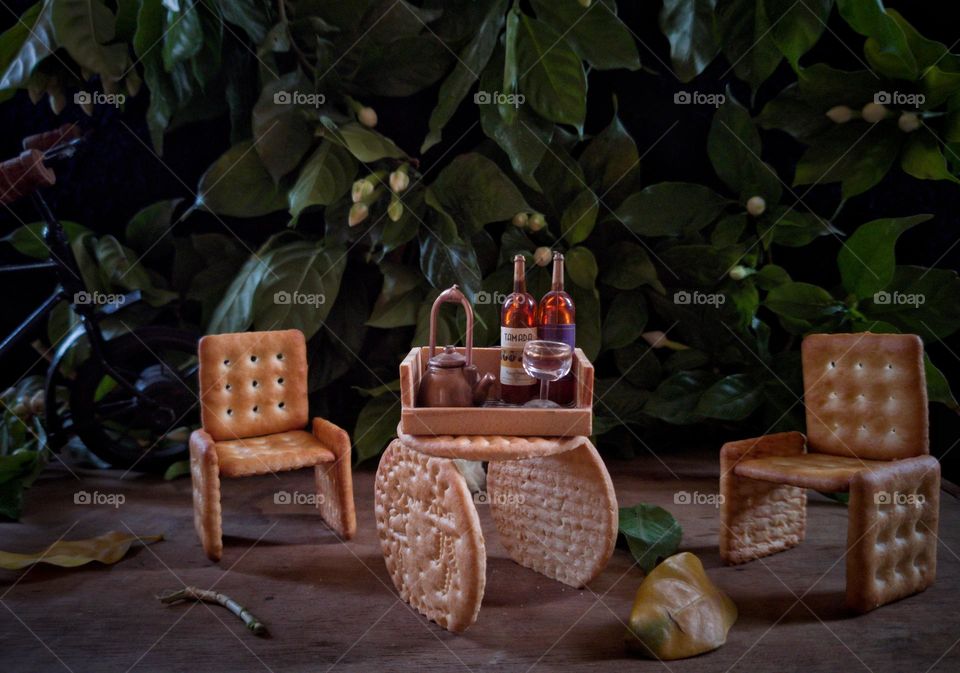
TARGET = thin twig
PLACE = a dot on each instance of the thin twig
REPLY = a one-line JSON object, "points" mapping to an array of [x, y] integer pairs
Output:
{"points": [[207, 596]]}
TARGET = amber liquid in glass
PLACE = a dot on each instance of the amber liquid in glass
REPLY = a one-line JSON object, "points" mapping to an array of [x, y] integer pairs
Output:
{"points": [[556, 321], [518, 325]]}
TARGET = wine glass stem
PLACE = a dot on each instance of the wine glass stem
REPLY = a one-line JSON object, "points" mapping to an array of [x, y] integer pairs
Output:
{"points": [[544, 388]]}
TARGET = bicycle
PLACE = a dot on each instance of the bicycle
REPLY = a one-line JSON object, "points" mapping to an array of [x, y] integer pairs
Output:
{"points": [[128, 399]]}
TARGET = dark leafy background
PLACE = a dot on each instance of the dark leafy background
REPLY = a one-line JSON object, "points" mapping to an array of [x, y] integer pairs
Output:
{"points": [[685, 200]]}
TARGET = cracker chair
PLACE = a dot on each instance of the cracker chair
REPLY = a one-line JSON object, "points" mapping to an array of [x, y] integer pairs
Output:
{"points": [[253, 395], [867, 434]]}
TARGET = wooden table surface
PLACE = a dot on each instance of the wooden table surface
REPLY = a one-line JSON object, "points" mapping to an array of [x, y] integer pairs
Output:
{"points": [[330, 605]]}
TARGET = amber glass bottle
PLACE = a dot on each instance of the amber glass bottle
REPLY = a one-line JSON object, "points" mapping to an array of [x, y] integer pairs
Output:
{"points": [[556, 321], [518, 325]]}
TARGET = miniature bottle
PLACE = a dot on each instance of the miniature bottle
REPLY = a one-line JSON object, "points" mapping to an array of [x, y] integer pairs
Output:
{"points": [[556, 321], [518, 325]]}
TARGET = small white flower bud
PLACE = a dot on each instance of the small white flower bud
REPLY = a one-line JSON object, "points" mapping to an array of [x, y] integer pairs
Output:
{"points": [[543, 256], [840, 114], [399, 181], [873, 112], [358, 213], [740, 272], [756, 205], [395, 210], [908, 122], [361, 190], [537, 222], [520, 220], [367, 116]]}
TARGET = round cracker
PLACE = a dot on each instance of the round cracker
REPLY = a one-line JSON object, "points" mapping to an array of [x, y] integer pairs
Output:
{"points": [[430, 535], [556, 514]]}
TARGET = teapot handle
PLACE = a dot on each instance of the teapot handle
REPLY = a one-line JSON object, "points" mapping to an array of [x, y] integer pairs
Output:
{"points": [[453, 295]]}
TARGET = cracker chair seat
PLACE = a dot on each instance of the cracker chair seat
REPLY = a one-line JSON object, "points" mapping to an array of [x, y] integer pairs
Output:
{"points": [[271, 453], [819, 471]]}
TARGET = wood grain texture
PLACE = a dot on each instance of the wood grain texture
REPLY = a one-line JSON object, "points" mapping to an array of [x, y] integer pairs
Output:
{"points": [[329, 604]]}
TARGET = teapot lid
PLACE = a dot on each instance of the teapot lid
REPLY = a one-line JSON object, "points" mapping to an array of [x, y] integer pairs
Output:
{"points": [[447, 359]]}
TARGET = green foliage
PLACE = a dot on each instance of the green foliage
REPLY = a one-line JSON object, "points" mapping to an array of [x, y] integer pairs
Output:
{"points": [[651, 533], [354, 255]]}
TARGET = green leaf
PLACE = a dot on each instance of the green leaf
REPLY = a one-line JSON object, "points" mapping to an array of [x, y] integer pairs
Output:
{"points": [[581, 265], [594, 32], [580, 217], [85, 29], [611, 163], [867, 260], [29, 238], [855, 154], [797, 25], [795, 229], [376, 426], [450, 262], [670, 209], [399, 299], [181, 468], [938, 388], [771, 276], [183, 36], [471, 61], [282, 132], [405, 66], [26, 43], [689, 26], [551, 74], [651, 532], [475, 192], [523, 136], [747, 40], [302, 288], [629, 267], [886, 49], [365, 144], [732, 398], [923, 159], [248, 15], [235, 311], [325, 177], [734, 149], [675, 399], [919, 301], [151, 229], [587, 302], [238, 184], [802, 300], [626, 318], [560, 175]]}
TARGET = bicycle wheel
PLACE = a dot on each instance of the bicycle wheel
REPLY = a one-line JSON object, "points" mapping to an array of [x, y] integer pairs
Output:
{"points": [[124, 429]]}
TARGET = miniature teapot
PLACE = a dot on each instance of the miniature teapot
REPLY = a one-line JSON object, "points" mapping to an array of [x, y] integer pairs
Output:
{"points": [[450, 379]]}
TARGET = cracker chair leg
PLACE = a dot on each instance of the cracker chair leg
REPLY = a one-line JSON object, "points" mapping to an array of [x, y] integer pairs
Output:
{"points": [[205, 474], [759, 518], [335, 481], [892, 534]]}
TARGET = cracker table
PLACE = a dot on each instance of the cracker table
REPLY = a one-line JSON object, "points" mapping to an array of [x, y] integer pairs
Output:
{"points": [[551, 498]]}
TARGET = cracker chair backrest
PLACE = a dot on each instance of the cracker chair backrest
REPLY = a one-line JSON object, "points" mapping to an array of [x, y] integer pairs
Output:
{"points": [[253, 383], [865, 395]]}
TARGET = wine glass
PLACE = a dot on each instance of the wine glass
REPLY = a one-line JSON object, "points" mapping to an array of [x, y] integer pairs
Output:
{"points": [[547, 361]]}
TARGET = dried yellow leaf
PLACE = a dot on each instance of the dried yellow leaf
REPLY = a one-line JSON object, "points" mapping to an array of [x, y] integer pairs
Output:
{"points": [[107, 548], [678, 612]]}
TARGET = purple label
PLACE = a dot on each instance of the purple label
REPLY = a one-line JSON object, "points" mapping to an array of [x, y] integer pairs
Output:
{"points": [[565, 333]]}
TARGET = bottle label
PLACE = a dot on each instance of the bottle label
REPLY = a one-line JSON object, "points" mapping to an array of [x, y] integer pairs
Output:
{"points": [[512, 340], [565, 333]]}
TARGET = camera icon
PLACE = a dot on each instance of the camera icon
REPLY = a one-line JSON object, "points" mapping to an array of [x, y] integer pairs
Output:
{"points": [[682, 297], [481, 498], [682, 98], [83, 98], [282, 98], [282, 498], [484, 297], [83, 298], [882, 98], [882, 297], [82, 498], [281, 297], [883, 498], [482, 98], [682, 498]]}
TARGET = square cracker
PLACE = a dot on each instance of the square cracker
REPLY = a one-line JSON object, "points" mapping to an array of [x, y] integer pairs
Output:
{"points": [[253, 383], [865, 395]]}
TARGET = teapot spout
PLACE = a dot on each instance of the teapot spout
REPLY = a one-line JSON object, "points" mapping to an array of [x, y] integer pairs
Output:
{"points": [[482, 389]]}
